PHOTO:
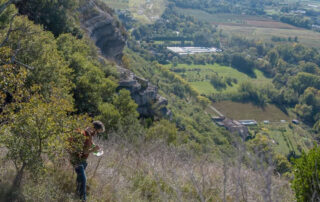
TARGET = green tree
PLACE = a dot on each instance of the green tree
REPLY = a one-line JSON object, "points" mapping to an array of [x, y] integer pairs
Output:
{"points": [[36, 129], [56, 16], [125, 105], [306, 182], [163, 130], [273, 57]]}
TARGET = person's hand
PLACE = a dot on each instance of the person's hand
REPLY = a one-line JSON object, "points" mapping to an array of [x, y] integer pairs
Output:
{"points": [[96, 148]]}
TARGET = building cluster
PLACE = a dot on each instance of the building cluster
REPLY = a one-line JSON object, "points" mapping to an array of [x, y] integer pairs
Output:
{"points": [[235, 126]]}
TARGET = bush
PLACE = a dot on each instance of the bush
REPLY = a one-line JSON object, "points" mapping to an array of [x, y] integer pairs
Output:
{"points": [[306, 172]]}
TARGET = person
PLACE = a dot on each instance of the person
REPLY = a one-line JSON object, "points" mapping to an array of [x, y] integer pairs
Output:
{"points": [[79, 159]]}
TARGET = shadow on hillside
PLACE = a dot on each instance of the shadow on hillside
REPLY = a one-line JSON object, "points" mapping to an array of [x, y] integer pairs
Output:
{"points": [[282, 108], [248, 71], [8, 195]]}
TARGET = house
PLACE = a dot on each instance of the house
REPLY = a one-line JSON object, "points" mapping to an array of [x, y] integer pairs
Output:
{"points": [[236, 127]]}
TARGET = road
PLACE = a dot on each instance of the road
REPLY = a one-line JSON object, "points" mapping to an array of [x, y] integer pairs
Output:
{"points": [[216, 111]]}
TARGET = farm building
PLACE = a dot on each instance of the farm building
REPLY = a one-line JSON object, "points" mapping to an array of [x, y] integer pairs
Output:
{"points": [[193, 50], [234, 127], [248, 122]]}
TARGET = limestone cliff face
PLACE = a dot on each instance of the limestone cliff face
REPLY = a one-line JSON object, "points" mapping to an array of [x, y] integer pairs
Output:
{"points": [[145, 94], [108, 37], [103, 30]]}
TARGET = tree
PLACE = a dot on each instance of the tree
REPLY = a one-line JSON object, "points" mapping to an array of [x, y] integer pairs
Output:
{"points": [[37, 129], [125, 105], [163, 130], [273, 57], [56, 16], [306, 182]]}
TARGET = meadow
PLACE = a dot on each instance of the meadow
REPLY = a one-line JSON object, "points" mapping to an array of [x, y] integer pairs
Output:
{"points": [[198, 77], [145, 11]]}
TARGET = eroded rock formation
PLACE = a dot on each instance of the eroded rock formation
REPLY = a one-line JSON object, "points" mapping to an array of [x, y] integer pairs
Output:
{"points": [[104, 30], [110, 38], [144, 93]]}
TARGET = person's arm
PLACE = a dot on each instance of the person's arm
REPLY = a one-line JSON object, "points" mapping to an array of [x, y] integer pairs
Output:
{"points": [[94, 148], [89, 145]]}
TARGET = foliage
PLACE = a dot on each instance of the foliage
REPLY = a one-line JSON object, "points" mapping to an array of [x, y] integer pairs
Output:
{"points": [[39, 127], [163, 130], [306, 172], [56, 16], [92, 86]]}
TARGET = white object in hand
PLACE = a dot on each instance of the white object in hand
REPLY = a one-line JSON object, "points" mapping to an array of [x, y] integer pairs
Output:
{"points": [[98, 153]]}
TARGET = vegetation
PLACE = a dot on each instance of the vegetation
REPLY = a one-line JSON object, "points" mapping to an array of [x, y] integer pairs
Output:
{"points": [[53, 81], [306, 173]]}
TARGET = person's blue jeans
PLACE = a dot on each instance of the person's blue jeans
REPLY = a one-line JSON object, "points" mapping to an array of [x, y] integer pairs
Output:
{"points": [[81, 179]]}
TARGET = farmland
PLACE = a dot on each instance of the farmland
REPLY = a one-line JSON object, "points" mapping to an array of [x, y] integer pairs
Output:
{"points": [[306, 37], [286, 138], [255, 27], [145, 11], [243, 111], [235, 20], [198, 77]]}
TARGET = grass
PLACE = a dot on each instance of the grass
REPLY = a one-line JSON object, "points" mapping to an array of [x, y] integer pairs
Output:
{"points": [[242, 111], [306, 37], [145, 11], [257, 27], [235, 19], [287, 139], [198, 78], [119, 4]]}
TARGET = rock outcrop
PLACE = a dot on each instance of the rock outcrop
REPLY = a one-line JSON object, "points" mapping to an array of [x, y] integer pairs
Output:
{"points": [[107, 35], [144, 93], [104, 30]]}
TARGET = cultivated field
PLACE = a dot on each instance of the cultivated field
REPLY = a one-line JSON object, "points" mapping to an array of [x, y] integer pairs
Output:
{"points": [[306, 37], [283, 137], [235, 20], [286, 139], [256, 27], [243, 111]]}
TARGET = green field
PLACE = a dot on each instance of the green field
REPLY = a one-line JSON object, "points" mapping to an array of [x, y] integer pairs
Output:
{"points": [[119, 4], [286, 139], [257, 27], [306, 37], [218, 17], [196, 76], [145, 11], [243, 111]]}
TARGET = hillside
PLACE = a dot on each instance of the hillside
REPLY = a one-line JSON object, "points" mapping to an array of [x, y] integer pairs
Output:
{"points": [[65, 64]]}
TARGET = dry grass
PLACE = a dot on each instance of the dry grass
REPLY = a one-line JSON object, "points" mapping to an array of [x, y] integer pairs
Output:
{"points": [[157, 172]]}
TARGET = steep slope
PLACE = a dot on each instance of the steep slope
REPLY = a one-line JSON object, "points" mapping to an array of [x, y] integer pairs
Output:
{"points": [[110, 38], [103, 30]]}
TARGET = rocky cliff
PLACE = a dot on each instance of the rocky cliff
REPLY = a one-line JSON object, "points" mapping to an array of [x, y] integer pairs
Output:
{"points": [[110, 37], [145, 94], [103, 29]]}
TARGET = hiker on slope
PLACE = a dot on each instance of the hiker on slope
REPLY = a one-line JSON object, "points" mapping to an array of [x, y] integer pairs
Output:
{"points": [[79, 158]]}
